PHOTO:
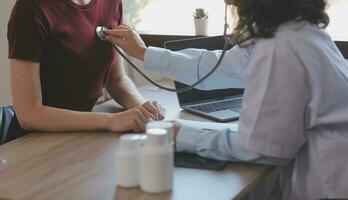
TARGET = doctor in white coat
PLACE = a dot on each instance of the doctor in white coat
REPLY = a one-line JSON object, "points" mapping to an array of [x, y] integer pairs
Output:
{"points": [[295, 108]]}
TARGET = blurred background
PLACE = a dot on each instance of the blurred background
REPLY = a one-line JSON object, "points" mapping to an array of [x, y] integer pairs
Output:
{"points": [[163, 17], [175, 17]]}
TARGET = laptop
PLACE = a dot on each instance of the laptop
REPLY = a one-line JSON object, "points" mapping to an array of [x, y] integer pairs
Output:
{"points": [[219, 105]]}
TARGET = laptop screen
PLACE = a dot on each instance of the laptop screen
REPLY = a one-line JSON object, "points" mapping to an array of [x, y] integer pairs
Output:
{"points": [[195, 95]]}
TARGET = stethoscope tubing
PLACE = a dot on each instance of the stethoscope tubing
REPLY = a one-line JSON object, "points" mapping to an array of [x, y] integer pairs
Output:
{"points": [[229, 42]]}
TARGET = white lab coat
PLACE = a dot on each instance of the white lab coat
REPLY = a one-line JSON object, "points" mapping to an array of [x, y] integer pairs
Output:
{"points": [[295, 104]]}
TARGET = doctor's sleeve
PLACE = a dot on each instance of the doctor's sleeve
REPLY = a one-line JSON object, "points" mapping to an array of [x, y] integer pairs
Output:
{"points": [[219, 144], [273, 118], [189, 65]]}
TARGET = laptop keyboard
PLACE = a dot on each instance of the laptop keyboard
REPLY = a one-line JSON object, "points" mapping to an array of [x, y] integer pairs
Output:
{"points": [[232, 104]]}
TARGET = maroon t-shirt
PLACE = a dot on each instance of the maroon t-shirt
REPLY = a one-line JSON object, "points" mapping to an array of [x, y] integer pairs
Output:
{"points": [[60, 35]]}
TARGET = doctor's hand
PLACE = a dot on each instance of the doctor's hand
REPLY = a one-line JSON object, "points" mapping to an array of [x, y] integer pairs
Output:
{"points": [[128, 39]]}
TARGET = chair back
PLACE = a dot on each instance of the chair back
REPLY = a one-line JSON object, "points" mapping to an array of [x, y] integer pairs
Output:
{"points": [[9, 126]]}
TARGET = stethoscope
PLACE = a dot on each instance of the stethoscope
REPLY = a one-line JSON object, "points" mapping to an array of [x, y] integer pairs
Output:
{"points": [[229, 41]]}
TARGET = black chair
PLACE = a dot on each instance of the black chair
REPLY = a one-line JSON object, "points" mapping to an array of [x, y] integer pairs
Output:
{"points": [[9, 126]]}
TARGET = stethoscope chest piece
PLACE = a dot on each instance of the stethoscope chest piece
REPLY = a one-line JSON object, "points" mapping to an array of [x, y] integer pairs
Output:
{"points": [[99, 31]]}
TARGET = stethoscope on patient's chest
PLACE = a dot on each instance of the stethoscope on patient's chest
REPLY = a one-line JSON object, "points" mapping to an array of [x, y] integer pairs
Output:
{"points": [[229, 41]]}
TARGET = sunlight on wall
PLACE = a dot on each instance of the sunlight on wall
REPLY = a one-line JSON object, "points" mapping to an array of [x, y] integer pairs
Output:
{"points": [[338, 27], [175, 17], [168, 16]]}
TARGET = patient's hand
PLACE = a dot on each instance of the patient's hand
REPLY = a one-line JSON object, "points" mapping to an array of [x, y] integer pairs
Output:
{"points": [[128, 39], [156, 109], [135, 119]]}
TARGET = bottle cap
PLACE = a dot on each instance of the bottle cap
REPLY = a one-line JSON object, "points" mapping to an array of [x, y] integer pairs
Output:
{"points": [[159, 124], [168, 126], [130, 141], [156, 136]]}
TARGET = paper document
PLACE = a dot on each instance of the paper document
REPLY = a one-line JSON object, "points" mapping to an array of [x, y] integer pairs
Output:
{"points": [[209, 125]]}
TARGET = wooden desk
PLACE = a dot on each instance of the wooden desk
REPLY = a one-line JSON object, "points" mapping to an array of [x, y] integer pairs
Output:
{"points": [[82, 166]]}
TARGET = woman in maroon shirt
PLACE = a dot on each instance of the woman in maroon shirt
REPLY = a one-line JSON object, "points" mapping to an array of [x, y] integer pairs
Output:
{"points": [[59, 68]]}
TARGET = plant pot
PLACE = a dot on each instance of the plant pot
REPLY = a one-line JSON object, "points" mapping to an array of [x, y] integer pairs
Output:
{"points": [[201, 27]]}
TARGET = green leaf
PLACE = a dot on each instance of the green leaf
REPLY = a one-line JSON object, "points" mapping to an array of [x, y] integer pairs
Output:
{"points": [[200, 13]]}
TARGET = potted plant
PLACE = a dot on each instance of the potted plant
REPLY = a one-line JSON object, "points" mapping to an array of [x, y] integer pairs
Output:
{"points": [[201, 21]]}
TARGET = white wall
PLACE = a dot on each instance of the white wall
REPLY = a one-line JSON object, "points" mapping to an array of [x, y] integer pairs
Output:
{"points": [[5, 10]]}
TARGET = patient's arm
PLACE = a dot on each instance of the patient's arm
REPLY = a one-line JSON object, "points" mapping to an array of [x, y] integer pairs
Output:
{"points": [[33, 115], [122, 89]]}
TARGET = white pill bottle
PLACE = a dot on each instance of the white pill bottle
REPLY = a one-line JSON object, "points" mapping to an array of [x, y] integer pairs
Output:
{"points": [[156, 162], [166, 125], [127, 161]]}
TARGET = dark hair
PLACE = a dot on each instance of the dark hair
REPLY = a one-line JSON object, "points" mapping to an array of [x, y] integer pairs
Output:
{"points": [[261, 18]]}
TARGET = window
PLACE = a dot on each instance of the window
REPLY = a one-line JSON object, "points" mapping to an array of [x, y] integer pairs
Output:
{"points": [[175, 16], [172, 16], [338, 11]]}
